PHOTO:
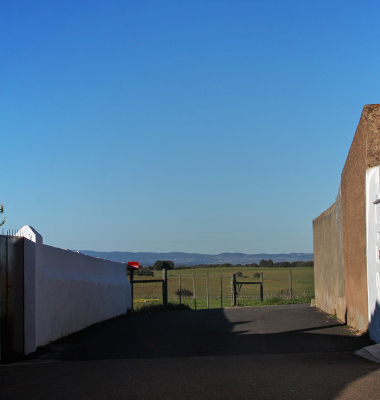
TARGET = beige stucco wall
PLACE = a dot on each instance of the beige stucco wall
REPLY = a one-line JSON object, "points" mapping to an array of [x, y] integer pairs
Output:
{"points": [[329, 262], [353, 185], [340, 237]]}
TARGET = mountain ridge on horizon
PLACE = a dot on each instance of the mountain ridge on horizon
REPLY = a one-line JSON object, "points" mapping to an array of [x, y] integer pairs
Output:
{"points": [[188, 259]]}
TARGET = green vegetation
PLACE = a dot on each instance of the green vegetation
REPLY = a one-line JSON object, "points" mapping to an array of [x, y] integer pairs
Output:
{"points": [[144, 272], [2, 221], [274, 301], [263, 264], [274, 273], [184, 292], [223, 268], [194, 282], [210, 286], [160, 265], [154, 308], [333, 316], [246, 302]]}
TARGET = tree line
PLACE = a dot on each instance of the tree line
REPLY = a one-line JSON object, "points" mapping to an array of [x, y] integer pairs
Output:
{"points": [[159, 265], [263, 264]]}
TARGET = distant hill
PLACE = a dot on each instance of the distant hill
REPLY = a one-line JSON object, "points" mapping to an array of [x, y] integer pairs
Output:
{"points": [[148, 259]]}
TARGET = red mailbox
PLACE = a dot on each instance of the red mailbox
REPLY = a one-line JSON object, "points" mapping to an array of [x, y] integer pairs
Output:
{"points": [[133, 265]]}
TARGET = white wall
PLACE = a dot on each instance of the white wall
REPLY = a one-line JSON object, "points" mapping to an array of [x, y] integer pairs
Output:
{"points": [[67, 291], [373, 251], [33, 276]]}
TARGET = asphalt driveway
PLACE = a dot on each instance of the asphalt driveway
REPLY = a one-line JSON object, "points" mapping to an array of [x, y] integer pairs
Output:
{"points": [[272, 352]]}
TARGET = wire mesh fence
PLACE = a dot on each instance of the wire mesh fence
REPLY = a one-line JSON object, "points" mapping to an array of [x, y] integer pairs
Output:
{"points": [[146, 293], [280, 288], [214, 290], [199, 290]]}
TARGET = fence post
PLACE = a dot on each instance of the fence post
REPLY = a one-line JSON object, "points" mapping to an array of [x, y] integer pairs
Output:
{"points": [[131, 282], [221, 290], [194, 295], [180, 288], [261, 287], [290, 284], [233, 290], [207, 294], [164, 287]]}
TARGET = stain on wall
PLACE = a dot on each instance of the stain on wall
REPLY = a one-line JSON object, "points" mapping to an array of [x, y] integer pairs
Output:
{"points": [[329, 261]]}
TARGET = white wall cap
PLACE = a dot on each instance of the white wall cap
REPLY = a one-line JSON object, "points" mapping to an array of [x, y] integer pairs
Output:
{"points": [[30, 233]]}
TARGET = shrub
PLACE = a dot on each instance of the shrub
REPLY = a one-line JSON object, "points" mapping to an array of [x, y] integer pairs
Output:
{"points": [[184, 292], [256, 275], [263, 264], [144, 272], [159, 265], [239, 274], [154, 308], [283, 264]]}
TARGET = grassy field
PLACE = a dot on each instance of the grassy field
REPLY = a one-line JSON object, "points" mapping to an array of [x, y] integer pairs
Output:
{"points": [[276, 285], [269, 273]]}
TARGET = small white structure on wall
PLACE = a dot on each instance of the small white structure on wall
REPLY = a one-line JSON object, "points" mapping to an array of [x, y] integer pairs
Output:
{"points": [[66, 291]]}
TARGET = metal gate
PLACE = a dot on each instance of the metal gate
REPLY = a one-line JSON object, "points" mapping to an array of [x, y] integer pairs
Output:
{"points": [[11, 297], [163, 281], [235, 284]]}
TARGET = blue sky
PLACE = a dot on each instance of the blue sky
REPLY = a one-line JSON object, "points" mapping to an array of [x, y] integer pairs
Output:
{"points": [[196, 126]]}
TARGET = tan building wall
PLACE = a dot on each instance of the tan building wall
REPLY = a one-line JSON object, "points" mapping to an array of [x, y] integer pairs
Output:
{"points": [[328, 261], [353, 185], [340, 237]]}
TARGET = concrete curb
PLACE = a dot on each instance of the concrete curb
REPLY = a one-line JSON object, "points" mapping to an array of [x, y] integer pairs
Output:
{"points": [[371, 353]]}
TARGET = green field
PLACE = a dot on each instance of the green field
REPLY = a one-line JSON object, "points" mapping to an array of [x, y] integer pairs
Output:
{"points": [[271, 273], [275, 284]]}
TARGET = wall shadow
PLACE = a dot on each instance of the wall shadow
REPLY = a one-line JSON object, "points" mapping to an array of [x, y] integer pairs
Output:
{"points": [[215, 332], [298, 342]]}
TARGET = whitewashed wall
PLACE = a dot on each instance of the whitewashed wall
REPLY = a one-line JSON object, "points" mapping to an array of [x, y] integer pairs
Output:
{"points": [[67, 291]]}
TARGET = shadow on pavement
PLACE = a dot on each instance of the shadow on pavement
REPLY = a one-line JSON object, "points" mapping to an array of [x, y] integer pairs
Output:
{"points": [[216, 332], [274, 352]]}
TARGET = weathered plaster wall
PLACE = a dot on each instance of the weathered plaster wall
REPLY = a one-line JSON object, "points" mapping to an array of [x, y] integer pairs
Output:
{"points": [[354, 228], [364, 154], [328, 261], [352, 264], [371, 114]]}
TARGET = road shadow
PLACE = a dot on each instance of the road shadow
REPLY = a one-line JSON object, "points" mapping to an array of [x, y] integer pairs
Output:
{"points": [[274, 352], [216, 332]]}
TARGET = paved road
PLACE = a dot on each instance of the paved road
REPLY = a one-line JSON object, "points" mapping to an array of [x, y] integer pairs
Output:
{"points": [[273, 352]]}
